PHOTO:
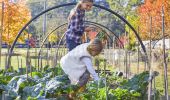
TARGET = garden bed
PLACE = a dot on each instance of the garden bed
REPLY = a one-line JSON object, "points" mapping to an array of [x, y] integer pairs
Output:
{"points": [[52, 83]]}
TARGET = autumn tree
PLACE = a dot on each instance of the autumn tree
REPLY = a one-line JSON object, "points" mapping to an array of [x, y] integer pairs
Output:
{"points": [[16, 14], [153, 8], [53, 38]]}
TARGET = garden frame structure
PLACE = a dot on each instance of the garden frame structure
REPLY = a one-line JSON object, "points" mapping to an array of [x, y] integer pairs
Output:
{"points": [[69, 4], [100, 26]]}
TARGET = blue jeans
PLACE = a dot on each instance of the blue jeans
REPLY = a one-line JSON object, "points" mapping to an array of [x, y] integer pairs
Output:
{"points": [[71, 44]]}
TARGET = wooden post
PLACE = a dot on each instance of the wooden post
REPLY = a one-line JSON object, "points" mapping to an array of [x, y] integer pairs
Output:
{"points": [[164, 56], [26, 69], [128, 54], [18, 61], [1, 30], [41, 64], [48, 49], [119, 54], [28, 56], [150, 57], [44, 19], [21, 67], [35, 65], [126, 64], [138, 54], [6, 58], [30, 68]]}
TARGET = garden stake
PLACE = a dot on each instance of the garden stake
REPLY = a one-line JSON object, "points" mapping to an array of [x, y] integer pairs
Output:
{"points": [[21, 67], [47, 56], [154, 84], [104, 67], [106, 88], [51, 49], [119, 55], [129, 65], [27, 70], [18, 61], [97, 64], [150, 57], [27, 63], [31, 67], [1, 29], [105, 77], [6, 61], [44, 19], [164, 56], [138, 53], [35, 58], [126, 63], [125, 56], [39, 53], [128, 70], [41, 65]]}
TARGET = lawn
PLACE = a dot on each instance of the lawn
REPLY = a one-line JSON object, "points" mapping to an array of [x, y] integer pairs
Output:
{"points": [[22, 53]]}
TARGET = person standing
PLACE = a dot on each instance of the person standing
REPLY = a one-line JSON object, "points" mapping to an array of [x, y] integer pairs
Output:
{"points": [[76, 26]]}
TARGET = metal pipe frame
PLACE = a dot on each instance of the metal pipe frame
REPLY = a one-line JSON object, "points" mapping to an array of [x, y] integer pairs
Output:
{"points": [[69, 4], [88, 22]]}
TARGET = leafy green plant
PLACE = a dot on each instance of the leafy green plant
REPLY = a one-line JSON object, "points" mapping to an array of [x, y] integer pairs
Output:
{"points": [[31, 98], [123, 94], [36, 74], [138, 83], [56, 70], [5, 79], [117, 88], [24, 84]]}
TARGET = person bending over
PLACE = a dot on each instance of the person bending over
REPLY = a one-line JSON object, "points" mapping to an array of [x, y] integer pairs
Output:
{"points": [[77, 64]]}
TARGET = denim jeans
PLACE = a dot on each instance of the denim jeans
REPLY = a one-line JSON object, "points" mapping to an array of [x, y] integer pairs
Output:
{"points": [[71, 44]]}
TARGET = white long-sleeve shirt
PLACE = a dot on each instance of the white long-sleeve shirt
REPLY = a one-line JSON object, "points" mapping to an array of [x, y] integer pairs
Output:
{"points": [[74, 64], [90, 68]]}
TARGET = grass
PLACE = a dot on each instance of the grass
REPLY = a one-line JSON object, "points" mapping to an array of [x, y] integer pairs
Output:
{"points": [[22, 53]]}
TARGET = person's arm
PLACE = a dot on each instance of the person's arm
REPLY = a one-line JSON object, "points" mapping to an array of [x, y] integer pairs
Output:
{"points": [[77, 24], [90, 68]]}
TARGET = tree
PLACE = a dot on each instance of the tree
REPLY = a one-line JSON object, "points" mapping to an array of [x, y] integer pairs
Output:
{"points": [[51, 19], [53, 38], [16, 14], [128, 10], [153, 8]]}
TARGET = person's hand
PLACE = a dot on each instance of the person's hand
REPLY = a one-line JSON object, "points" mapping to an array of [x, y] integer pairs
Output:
{"points": [[88, 29]]}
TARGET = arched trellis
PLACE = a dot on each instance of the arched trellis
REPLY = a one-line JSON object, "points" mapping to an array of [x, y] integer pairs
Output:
{"points": [[87, 22], [97, 24], [69, 4]]}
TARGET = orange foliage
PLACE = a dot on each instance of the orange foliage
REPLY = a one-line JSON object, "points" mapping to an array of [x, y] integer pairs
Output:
{"points": [[15, 17], [153, 8]]}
